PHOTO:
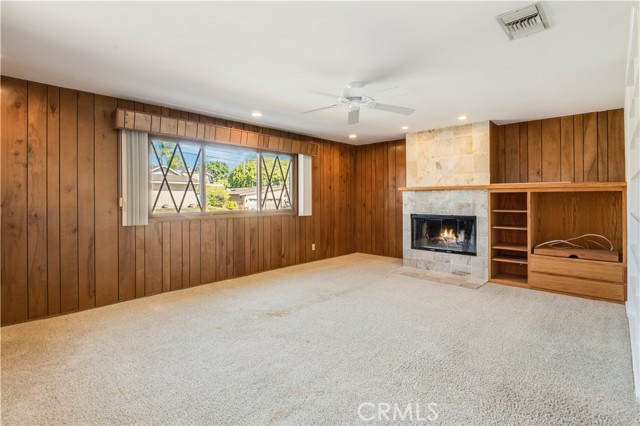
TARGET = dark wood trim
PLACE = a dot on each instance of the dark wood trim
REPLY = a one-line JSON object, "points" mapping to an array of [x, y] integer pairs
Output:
{"points": [[181, 128]]}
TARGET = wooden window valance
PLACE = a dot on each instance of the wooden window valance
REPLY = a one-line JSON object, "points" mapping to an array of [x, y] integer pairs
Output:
{"points": [[176, 127]]}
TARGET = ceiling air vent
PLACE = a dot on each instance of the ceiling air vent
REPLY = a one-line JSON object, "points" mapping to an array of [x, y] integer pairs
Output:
{"points": [[523, 22]]}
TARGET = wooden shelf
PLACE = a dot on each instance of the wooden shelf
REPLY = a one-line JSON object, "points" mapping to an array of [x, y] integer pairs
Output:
{"points": [[509, 211], [510, 259], [506, 278], [510, 246], [558, 186], [510, 227]]}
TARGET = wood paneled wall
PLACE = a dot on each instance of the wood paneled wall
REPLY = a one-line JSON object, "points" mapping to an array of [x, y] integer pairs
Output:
{"points": [[576, 148], [63, 246], [380, 171]]}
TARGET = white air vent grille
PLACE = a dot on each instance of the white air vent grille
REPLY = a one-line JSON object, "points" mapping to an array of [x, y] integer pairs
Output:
{"points": [[523, 22]]}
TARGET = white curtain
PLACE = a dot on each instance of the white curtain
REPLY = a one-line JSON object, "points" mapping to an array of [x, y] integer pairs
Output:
{"points": [[135, 177]]}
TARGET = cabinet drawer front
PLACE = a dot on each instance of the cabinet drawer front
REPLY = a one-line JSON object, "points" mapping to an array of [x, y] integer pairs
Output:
{"points": [[580, 286], [591, 269]]}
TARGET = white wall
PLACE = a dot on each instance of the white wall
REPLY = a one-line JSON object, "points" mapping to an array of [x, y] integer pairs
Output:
{"points": [[632, 140]]}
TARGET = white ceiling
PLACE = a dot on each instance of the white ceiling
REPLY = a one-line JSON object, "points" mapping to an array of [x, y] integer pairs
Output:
{"points": [[228, 59]]}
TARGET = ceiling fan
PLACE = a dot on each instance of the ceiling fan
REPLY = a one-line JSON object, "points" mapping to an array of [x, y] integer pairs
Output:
{"points": [[353, 97]]}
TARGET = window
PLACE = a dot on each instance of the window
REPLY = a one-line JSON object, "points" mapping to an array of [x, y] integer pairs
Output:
{"points": [[188, 177]]}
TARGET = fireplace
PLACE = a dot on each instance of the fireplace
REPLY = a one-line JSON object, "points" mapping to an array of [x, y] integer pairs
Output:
{"points": [[449, 234]]}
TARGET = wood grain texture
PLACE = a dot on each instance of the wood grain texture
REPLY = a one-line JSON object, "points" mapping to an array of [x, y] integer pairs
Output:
{"points": [[615, 133], [69, 200], [53, 200], [15, 306], [534, 146], [37, 199], [106, 205], [379, 173], [550, 140], [79, 255], [576, 148], [86, 202]]}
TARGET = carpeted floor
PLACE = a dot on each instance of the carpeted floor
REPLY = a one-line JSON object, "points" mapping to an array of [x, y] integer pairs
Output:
{"points": [[312, 343]]}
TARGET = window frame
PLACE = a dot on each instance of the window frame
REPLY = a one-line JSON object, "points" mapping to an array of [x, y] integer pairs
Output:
{"points": [[203, 213]]}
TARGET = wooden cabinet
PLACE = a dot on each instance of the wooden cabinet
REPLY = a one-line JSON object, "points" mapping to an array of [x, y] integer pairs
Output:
{"points": [[525, 215]]}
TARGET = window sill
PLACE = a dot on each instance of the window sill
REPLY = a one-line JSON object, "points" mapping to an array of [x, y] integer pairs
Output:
{"points": [[201, 216]]}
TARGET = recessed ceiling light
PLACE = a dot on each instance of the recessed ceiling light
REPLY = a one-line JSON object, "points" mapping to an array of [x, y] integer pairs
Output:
{"points": [[353, 136], [405, 127], [256, 114], [462, 117]]}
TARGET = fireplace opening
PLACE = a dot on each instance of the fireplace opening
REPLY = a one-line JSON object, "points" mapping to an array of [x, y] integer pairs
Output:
{"points": [[449, 234]]}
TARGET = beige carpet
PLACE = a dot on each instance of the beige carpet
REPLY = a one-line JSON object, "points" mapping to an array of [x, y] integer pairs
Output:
{"points": [[311, 343]]}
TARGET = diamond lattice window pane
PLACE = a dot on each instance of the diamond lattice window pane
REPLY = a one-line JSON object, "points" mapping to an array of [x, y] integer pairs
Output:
{"points": [[276, 182], [175, 177]]}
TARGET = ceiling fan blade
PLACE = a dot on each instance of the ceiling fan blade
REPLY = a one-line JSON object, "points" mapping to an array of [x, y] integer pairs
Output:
{"points": [[318, 109], [354, 116], [393, 108], [390, 92], [325, 94]]}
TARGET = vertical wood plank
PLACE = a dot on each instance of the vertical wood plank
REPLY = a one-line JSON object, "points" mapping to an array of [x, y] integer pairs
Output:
{"points": [[153, 258], [567, 151], [175, 253], [578, 148], [221, 249], [15, 305], [401, 181], [276, 242], [391, 197], [68, 200], [166, 250], [551, 150], [266, 243], [230, 247], [358, 201], [590, 146], [379, 203], [603, 158], [186, 253], [37, 199], [502, 155], [368, 206], [86, 202], [534, 146], [247, 246], [195, 254], [238, 261], [512, 152], [53, 200], [615, 146], [106, 205], [524, 153], [208, 242], [254, 243], [140, 261]]}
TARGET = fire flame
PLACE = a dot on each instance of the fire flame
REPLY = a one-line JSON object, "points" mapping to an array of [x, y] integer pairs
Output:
{"points": [[448, 236]]}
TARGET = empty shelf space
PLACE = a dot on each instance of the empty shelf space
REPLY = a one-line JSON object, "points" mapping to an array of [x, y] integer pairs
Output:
{"points": [[504, 277], [510, 227], [508, 211], [510, 246], [521, 260]]}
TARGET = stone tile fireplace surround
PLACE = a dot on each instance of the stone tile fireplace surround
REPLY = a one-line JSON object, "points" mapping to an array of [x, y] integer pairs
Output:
{"points": [[459, 203], [452, 156]]}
